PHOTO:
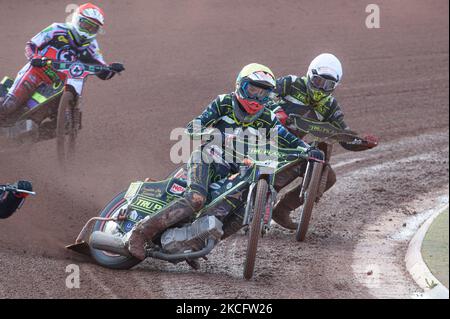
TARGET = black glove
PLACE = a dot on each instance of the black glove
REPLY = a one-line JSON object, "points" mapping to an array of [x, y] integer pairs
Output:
{"points": [[315, 153], [39, 62], [117, 67], [23, 185]]}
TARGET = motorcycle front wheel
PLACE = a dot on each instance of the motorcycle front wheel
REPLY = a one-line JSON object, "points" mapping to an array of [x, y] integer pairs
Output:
{"points": [[104, 258], [255, 227], [66, 126]]}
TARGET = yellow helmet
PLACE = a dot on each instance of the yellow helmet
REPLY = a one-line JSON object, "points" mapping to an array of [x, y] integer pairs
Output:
{"points": [[251, 68], [253, 85]]}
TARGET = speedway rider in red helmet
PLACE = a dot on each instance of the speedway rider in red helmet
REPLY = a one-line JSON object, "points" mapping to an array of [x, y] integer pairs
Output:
{"points": [[63, 42]]}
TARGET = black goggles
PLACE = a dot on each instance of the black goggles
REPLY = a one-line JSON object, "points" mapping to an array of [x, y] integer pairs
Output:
{"points": [[254, 92], [88, 26], [322, 83]]}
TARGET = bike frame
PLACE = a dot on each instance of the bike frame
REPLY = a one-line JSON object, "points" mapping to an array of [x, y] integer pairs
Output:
{"points": [[246, 181], [75, 75]]}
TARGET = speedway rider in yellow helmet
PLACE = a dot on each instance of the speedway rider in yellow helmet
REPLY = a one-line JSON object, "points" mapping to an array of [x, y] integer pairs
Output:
{"points": [[243, 108]]}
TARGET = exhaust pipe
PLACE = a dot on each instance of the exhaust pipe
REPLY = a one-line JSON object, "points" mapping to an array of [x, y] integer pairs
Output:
{"points": [[113, 244], [183, 256], [110, 243]]}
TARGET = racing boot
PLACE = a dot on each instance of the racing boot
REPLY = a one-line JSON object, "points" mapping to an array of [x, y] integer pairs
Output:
{"points": [[8, 105], [232, 222], [151, 226], [289, 202]]}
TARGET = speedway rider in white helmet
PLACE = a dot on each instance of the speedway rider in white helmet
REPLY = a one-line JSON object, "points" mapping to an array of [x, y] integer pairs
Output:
{"points": [[311, 97], [63, 42]]}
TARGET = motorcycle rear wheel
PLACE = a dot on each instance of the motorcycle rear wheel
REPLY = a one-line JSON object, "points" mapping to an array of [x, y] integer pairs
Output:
{"points": [[255, 227], [104, 258]]}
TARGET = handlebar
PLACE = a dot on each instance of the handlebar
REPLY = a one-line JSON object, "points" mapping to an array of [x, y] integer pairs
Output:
{"points": [[61, 65], [14, 189], [323, 131], [317, 160]]}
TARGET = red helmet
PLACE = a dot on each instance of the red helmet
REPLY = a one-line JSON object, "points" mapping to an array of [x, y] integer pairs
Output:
{"points": [[87, 22]]}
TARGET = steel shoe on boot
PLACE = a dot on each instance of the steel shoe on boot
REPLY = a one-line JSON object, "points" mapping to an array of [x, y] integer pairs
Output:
{"points": [[151, 226], [137, 241]]}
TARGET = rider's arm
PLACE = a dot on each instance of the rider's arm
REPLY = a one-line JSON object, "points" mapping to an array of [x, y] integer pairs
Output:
{"points": [[209, 116], [283, 87], [282, 136], [337, 119], [8, 204], [286, 139], [39, 40], [94, 55]]}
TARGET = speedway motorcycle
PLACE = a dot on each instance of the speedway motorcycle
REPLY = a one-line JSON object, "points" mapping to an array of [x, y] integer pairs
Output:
{"points": [[242, 200], [249, 195], [53, 111], [321, 135]]}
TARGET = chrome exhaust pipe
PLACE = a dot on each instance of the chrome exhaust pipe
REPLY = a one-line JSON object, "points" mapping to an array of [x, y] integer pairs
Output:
{"points": [[110, 243]]}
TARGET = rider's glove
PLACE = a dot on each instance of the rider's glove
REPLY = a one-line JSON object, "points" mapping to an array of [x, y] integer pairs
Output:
{"points": [[281, 116], [117, 67], [38, 61], [315, 153], [23, 185], [371, 141]]}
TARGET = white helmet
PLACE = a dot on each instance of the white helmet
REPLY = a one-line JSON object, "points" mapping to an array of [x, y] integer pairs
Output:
{"points": [[87, 22], [324, 74]]}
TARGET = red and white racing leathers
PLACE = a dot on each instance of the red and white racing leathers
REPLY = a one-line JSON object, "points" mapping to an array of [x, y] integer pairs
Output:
{"points": [[56, 42]]}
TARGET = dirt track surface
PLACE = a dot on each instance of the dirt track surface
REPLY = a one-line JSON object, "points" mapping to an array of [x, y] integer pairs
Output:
{"points": [[179, 55]]}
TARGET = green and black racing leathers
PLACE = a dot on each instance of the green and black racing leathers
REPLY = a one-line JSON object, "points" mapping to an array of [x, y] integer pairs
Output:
{"points": [[218, 115], [293, 98]]}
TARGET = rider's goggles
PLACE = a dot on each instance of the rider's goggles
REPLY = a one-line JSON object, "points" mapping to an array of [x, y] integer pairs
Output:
{"points": [[253, 92], [322, 83], [88, 26]]}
